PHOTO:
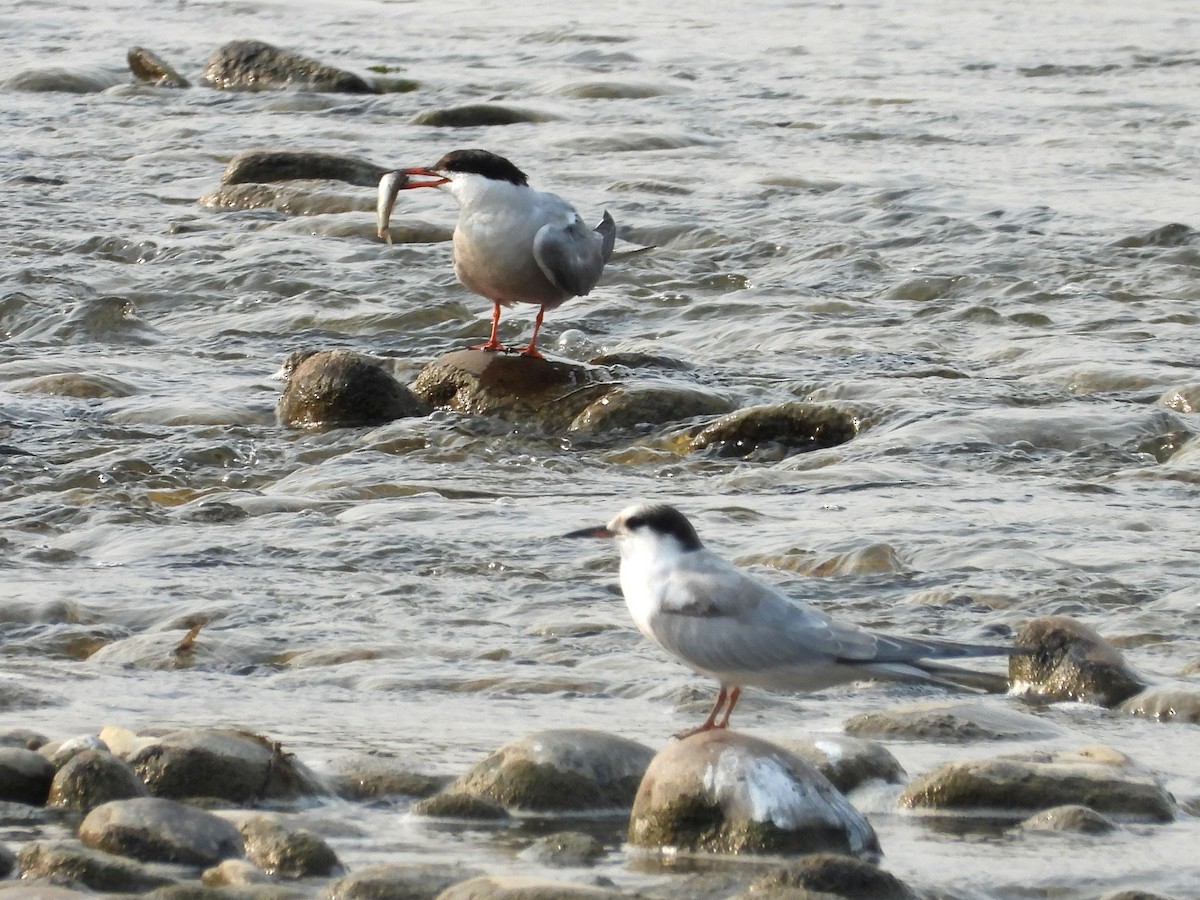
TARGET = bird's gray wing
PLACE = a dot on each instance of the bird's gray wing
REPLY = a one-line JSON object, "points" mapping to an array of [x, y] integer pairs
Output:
{"points": [[572, 256], [719, 618]]}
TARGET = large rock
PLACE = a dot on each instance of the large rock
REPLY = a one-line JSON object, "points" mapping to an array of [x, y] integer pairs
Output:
{"points": [[266, 166], [258, 66], [1021, 785], [91, 778], [820, 875], [342, 389], [1070, 661], [1165, 705], [225, 763], [67, 862], [511, 386], [408, 882], [559, 771], [849, 762], [285, 852], [949, 722], [150, 828], [519, 887], [778, 430], [725, 792], [25, 776]]}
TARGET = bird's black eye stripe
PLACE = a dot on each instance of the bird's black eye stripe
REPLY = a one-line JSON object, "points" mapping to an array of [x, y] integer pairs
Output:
{"points": [[635, 522]]}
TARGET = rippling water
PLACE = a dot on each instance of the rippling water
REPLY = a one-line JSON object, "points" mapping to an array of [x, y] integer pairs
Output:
{"points": [[952, 219]]}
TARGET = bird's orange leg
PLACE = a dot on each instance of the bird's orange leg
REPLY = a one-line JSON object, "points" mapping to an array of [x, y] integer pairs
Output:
{"points": [[711, 722], [733, 699], [493, 343], [532, 350]]}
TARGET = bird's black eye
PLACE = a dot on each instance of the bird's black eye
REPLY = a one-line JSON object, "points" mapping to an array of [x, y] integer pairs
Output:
{"points": [[635, 522]]}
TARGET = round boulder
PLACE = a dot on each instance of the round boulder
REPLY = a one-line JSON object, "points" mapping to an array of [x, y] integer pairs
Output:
{"points": [[1071, 818], [1070, 661], [949, 722], [371, 776], [258, 66], [25, 776], [1165, 705], [778, 430], [628, 407], [849, 761], [91, 778], [149, 828], [284, 852], [723, 792], [266, 166], [342, 389], [559, 771], [566, 849], [472, 115]]}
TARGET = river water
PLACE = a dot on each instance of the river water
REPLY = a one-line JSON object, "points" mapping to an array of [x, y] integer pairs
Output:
{"points": [[949, 217]]}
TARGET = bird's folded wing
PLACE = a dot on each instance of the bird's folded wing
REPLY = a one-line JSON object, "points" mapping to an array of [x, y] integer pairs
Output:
{"points": [[570, 255]]}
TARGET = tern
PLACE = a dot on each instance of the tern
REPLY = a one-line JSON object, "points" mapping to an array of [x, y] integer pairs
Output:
{"points": [[724, 623], [512, 244]]}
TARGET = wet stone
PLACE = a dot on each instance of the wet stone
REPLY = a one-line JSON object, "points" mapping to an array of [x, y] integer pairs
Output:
{"points": [[150, 68], [62, 752], [93, 777], [266, 166], [1019, 785], [1165, 705], [8, 861], [785, 428], [22, 739], [949, 723], [561, 770], [25, 776], [512, 386], [232, 765], [230, 872], [343, 389], [67, 862], [410, 882], [1070, 818], [566, 849], [1071, 661], [829, 875], [476, 114], [725, 792], [149, 828], [849, 761], [455, 805], [519, 887], [284, 852], [628, 407], [369, 777], [256, 66]]}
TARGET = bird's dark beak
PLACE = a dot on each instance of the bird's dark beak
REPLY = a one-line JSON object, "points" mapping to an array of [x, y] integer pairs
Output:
{"points": [[409, 184], [600, 532]]}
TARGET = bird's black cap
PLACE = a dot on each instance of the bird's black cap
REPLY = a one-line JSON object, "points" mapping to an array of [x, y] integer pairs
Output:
{"points": [[665, 520], [481, 162]]}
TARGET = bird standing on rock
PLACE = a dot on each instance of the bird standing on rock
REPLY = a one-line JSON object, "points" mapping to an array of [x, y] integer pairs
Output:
{"points": [[512, 244], [727, 624]]}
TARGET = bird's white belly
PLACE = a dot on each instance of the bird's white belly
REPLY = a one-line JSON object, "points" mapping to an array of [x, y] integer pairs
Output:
{"points": [[495, 260]]}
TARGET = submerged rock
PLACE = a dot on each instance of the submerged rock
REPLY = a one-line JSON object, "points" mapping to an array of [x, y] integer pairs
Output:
{"points": [[1070, 818], [567, 849], [257, 66], [67, 862], [452, 804], [91, 778], [512, 386], [1018, 785], [627, 407], [949, 722], [559, 771], [1070, 661], [476, 114], [287, 853], [147, 66], [22, 738], [150, 828], [266, 166], [369, 777], [1165, 705], [343, 389], [788, 427], [724, 792], [226, 763], [520, 887], [849, 761], [820, 875], [388, 882], [25, 776]]}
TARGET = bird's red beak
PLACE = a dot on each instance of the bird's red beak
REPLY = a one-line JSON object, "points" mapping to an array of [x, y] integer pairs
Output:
{"points": [[424, 173]]}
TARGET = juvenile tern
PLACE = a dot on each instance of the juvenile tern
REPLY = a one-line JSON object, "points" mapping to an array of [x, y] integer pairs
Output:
{"points": [[724, 623], [512, 244]]}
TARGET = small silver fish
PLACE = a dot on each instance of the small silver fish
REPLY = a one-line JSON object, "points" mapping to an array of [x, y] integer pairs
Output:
{"points": [[390, 186]]}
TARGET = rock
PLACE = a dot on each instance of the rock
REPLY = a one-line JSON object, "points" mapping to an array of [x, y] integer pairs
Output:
{"points": [[70, 81], [566, 849], [1070, 661], [849, 761], [1183, 399], [411, 882], [62, 752], [122, 742], [512, 386], [25, 776], [193, 891], [93, 777], [1165, 705], [257, 66], [519, 887], [343, 389], [1018, 785], [284, 852], [1070, 818], [626, 407], [150, 828], [829, 875], [147, 66], [22, 739], [230, 872], [1173, 234], [8, 862], [949, 722], [75, 384], [216, 762], [454, 805], [265, 166], [66, 862], [778, 430], [476, 114], [558, 771], [368, 777], [725, 792]]}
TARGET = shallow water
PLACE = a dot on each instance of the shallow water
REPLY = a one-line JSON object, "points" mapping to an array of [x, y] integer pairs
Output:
{"points": [[946, 219]]}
